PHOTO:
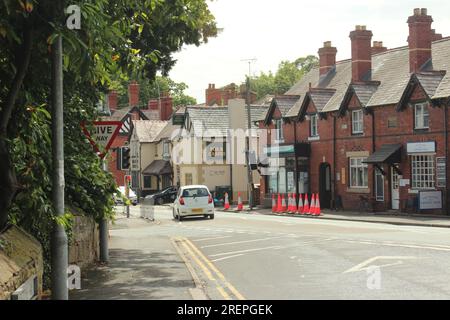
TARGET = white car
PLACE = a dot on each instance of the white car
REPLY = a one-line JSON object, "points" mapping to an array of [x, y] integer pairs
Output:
{"points": [[121, 192], [193, 200]]}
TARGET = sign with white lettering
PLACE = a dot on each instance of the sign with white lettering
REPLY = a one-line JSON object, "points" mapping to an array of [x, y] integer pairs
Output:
{"points": [[421, 147], [102, 135], [441, 167], [430, 200]]}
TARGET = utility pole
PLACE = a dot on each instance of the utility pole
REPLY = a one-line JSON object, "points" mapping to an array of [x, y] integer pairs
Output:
{"points": [[247, 139], [59, 255]]}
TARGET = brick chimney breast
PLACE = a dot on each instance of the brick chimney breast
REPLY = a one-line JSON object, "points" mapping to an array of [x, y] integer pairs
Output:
{"points": [[112, 101], [361, 53], [327, 58], [419, 39], [133, 94], [377, 47]]}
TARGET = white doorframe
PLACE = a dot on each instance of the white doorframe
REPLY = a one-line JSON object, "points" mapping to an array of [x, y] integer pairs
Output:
{"points": [[395, 192]]}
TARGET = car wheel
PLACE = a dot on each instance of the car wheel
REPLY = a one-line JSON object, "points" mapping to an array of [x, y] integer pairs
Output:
{"points": [[211, 216]]}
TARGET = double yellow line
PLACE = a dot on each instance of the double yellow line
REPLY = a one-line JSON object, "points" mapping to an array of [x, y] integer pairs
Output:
{"points": [[225, 288]]}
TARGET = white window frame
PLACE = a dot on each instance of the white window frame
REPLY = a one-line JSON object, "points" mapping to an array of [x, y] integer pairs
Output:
{"points": [[379, 197], [356, 165], [421, 112], [357, 122], [279, 130], [423, 171], [314, 125]]}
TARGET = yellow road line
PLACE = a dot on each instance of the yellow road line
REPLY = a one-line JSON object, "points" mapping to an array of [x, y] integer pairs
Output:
{"points": [[219, 274], [223, 293]]}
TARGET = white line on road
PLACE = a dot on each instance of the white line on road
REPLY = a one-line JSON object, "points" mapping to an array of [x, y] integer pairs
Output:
{"points": [[236, 242], [243, 251], [438, 248], [229, 257], [363, 265], [207, 239]]}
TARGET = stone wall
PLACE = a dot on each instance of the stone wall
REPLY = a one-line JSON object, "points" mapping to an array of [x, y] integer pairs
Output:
{"points": [[84, 245], [20, 258]]}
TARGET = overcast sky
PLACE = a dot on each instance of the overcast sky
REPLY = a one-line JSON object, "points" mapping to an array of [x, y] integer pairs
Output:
{"points": [[272, 31]]}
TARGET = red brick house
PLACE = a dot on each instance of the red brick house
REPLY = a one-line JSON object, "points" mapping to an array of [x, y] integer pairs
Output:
{"points": [[371, 129], [156, 109]]}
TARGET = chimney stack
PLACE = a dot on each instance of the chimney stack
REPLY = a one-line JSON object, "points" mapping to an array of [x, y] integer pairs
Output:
{"points": [[133, 94], [327, 58], [419, 40], [361, 53], [166, 108], [435, 36], [112, 101], [377, 47]]}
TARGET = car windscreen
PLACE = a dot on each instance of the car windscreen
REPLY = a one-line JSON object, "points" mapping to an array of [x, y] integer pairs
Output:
{"points": [[195, 192]]}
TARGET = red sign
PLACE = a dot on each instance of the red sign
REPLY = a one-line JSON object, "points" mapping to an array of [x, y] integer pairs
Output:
{"points": [[102, 136]]}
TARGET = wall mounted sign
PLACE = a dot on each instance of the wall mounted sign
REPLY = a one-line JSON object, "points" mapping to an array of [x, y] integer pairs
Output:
{"points": [[430, 200], [421, 147]]}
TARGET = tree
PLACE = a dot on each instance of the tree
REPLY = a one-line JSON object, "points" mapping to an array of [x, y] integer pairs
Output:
{"points": [[117, 39], [287, 75]]}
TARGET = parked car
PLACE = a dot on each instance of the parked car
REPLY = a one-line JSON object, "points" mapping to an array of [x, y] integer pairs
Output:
{"points": [[193, 200], [167, 195], [118, 197]]}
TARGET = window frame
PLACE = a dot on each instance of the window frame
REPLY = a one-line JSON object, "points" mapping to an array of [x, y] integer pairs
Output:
{"points": [[419, 119], [359, 122], [358, 166], [421, 171], [279, 130], [144, 186], [315, 125]]}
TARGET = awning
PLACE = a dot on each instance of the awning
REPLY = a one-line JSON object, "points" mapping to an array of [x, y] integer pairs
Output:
{"points": [[158, 168], [388, 153]]}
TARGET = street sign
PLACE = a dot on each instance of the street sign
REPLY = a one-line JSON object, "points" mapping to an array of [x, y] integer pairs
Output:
{"points": [[102, 136]]}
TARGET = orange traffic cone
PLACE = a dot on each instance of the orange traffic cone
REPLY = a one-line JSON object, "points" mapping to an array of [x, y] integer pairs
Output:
{"points": [[294, 204], [300, 204], [312, 209], [289, 203], [226, 204], [317, 212], [240, 205], [283, 204], [274, 203], [306, 206], [279, 204]]}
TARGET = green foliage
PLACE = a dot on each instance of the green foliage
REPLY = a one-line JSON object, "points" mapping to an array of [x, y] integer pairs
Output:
{"points": [[287, 75]]}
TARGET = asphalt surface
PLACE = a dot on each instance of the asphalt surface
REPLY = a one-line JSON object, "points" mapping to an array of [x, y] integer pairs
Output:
{"points": [[250, 256]]}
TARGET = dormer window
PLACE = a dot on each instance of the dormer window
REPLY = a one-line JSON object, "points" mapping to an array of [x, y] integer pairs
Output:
{"points": [[421, 116], [279, 129], [357, 122], [313, 126]]}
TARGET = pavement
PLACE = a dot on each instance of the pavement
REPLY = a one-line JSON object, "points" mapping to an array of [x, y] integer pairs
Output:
{"points": [[394, 218], [239, 256]]}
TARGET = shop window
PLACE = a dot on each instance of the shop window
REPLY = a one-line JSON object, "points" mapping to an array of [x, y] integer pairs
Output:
{"points": [[314, 131], [421, 116], [358, 173], [147, 182], [422, 167], [357, 121]]}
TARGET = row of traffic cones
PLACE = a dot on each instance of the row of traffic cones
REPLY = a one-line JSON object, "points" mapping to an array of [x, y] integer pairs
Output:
{"points": [[303, 208]]}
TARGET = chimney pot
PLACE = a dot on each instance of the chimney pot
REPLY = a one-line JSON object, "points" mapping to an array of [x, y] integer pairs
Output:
{"points": [[417, 11], [327, 44], [423, 11]]}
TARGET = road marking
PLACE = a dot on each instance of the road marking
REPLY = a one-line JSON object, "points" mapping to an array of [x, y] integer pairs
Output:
{"points": [[438, 248], [214, 238], [365, 264], [229, 257], [221, 276], [237, 242], [223, 293], [199, 263], [243, 251]]}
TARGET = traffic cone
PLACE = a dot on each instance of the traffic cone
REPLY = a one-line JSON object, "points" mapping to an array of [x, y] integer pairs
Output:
{"points": [[300, 204], [312, 208], [274, 203], [294, 204], [279, 203], [306, 206], [283, 204], [317, 212], [226, 205], [289, 203], [240, 205]]}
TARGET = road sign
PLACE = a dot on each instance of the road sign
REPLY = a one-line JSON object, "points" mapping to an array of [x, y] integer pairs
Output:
{"points": [[102, 135]]}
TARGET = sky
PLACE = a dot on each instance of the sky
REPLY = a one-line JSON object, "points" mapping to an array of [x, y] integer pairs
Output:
{"points": [[272, 31]]}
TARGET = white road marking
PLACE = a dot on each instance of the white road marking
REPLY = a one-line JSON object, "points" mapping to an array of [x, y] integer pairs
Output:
{"points": [[214, 238], [243, 251], [237, 242], [433, 247], [229, 257], [365, 264]]}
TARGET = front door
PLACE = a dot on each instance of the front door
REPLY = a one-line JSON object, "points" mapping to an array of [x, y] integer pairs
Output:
{"points": [[395, 194], [325, 185]]}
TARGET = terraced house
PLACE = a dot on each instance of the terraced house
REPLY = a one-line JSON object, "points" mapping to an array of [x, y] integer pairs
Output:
{"points": [[372, 129]]}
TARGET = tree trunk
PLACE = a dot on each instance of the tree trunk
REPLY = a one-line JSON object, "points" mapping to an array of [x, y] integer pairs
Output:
{"points": [[8, 179]]}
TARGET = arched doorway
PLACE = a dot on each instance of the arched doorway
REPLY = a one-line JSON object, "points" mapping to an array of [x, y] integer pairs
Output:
{"points": [[325, 185]]}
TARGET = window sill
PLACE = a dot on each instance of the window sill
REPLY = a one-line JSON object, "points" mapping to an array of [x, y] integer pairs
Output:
{"points": [[315, 138], [416, 191], [358, 190], [357, 133]]}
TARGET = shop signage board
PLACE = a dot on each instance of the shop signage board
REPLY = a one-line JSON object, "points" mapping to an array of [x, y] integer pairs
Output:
{"points": [[441, 167], [430, 200], [421, 147]]}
